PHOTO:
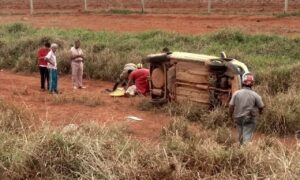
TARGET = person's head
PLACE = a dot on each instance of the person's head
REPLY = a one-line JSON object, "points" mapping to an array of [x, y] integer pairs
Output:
{"points": [[77, 43], [54, 47], [248, 79], [165, 50], [139, 66], [47, 45]]}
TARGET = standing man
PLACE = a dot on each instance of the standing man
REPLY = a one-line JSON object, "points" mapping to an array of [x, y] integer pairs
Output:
{"points": [[138, 77], [77, 65], [41, 53], [243, 108], [52, 68]]}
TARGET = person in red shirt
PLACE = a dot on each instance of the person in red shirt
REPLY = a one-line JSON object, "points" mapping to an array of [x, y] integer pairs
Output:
{"points": [[42, 63], [140, 79]]}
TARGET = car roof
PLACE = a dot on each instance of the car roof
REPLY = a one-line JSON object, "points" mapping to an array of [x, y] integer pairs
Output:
{"points": [[191, 56]]}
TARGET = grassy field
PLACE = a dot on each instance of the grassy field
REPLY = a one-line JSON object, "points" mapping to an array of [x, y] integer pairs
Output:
{"points": [[95, 152], [275, 60], [90, 151]]}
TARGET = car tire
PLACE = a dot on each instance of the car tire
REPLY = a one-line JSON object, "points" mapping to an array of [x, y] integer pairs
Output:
{"points": [[157, 58], [216, 65]]}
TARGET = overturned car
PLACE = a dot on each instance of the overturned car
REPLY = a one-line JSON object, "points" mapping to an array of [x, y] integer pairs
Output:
{"points": [[181, 76]]}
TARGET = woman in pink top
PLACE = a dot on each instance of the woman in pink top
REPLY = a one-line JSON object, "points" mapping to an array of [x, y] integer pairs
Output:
{"points": [[140, 79]]}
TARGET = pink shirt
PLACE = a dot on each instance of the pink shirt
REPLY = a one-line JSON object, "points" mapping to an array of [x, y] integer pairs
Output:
{"points": [[140, 78]]}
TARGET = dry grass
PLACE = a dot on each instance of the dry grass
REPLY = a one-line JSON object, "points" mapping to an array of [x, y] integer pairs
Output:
{"points": [[78, 99], [91, 151]]}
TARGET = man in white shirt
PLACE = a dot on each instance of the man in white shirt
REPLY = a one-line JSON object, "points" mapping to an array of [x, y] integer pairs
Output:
{"points": [[77, 65], [52, 67]]}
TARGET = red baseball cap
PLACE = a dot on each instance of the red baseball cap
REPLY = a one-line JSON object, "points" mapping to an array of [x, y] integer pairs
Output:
{"points": [[248, 79]]}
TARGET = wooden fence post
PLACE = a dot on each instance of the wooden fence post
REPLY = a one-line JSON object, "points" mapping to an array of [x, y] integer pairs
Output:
{"points": [[85, 5], [31, 6], [209, 6], [286, 5], [143, 5]]}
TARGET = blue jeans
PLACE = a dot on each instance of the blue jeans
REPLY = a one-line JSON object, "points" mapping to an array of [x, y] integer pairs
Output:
{"points": [[246, 126], [52, 80]]}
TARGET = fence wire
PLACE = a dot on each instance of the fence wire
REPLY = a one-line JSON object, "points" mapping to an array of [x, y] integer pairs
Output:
{"points": [[153, 6]]}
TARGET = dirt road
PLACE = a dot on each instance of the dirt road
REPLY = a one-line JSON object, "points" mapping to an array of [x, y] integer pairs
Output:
{"points": [[170, 23], [23, 91]]}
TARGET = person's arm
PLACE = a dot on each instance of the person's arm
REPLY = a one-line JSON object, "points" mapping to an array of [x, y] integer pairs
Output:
{"points": [[259, 103], [130, 81], [48, 59], [37, 61], [38, 57], [231, 106], [231, 110], [260, 110], [74, 56]]}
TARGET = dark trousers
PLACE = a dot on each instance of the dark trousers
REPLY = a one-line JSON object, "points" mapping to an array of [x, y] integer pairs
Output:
{"points": [[44, 77]]}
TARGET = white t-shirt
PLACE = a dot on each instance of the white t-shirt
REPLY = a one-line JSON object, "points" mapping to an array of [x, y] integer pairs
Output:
{"points": [[76, 52], [51, 57]]}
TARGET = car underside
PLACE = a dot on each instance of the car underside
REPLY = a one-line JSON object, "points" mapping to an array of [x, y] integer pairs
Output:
{"points": [[199, 78]]}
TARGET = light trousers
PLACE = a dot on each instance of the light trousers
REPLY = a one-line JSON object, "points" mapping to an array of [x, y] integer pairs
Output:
{"points": [[77, 73]]}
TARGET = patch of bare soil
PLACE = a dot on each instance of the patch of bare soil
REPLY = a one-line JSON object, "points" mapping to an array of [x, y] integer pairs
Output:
{"points": [[170, 23], [24, 91]]}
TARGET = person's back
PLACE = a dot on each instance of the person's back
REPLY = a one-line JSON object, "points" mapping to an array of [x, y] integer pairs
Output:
{"points": [[140, 77], [41, 53], [246, 102]]}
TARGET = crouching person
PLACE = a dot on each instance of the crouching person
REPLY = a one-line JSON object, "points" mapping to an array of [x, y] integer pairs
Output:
{"points": [[243, 108], [123, 79], [138, 82], [52, 68]]}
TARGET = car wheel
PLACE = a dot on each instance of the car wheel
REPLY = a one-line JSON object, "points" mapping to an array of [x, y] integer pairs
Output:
{"points": [[216, 65], [157, 58]]}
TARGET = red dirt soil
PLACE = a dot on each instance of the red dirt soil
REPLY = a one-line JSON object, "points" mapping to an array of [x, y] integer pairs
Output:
{"points": [[156, 6], [169, 23], [23, 91]]}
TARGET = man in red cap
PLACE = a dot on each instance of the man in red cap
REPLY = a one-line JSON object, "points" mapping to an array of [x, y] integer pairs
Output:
{"points": [[243, 108]]}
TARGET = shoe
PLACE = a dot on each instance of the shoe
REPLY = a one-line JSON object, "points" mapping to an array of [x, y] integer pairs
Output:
{"points": [[82, 87], [74, 87], [108, 90]]}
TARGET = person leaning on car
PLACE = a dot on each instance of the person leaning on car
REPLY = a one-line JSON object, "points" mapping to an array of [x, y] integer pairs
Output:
{"points": [[243, 108], [138, 82], [123, 78]]}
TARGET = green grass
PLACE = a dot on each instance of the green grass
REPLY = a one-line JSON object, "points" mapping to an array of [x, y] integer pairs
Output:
{"points": [[272, 58], [107, 52], [123, 11], [287, 14]]}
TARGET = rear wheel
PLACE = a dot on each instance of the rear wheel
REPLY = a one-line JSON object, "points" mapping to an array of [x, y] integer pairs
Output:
{"points": [[216, 65], [157, 58]]}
